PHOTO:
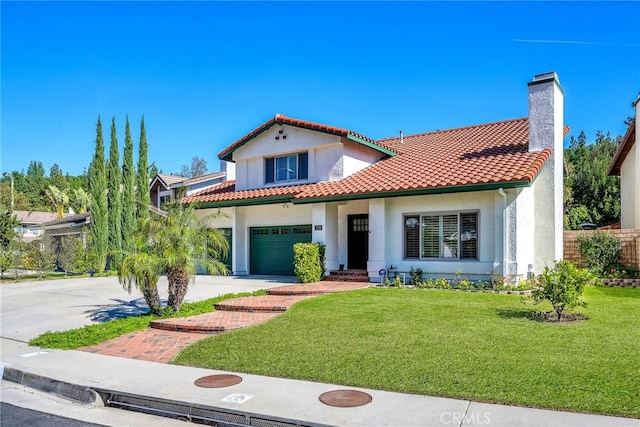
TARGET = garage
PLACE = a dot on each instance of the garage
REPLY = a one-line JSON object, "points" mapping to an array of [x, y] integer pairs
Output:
{"points": [[271, 248]]}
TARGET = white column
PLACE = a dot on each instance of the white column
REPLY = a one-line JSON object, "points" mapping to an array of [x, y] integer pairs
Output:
{"points": [[240, 243], [325, 230], [377, 237]]}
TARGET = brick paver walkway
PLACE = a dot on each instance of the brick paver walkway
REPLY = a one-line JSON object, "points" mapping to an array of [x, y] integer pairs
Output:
{"points": [[167, 337]]}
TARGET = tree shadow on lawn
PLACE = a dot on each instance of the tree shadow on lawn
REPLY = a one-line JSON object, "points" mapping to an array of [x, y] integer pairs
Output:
{"points": [[539, 316], [118, 310], [514, 313]]}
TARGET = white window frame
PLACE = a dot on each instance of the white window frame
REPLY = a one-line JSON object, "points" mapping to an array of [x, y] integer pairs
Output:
{"points": [[291, 158]]}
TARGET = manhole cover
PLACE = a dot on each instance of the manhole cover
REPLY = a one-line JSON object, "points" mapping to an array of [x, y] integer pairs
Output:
{"points": [[217, 381], [345, 398]]}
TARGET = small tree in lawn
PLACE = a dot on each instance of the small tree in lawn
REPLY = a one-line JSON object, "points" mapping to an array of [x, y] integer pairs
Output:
{"points": [[562, 286]]}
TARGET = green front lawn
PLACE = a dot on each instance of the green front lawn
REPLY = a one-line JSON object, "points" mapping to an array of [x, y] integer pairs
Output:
{"points": [[476, 346]]}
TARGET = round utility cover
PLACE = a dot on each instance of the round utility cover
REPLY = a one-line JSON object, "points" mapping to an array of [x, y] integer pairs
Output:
{"points": [[217, 381], [345, 398]]}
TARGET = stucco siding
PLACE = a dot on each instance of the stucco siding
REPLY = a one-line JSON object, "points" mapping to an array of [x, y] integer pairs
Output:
{"points": [[630, 189], [357, 157], [249, 158], [483, 202]]}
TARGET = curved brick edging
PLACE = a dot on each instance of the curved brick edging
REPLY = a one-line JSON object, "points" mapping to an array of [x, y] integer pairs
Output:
{"points": [[621, 283]]}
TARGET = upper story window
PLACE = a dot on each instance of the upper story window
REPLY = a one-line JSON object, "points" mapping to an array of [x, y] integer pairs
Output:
{"points": [[446, 236], [293, 167]]}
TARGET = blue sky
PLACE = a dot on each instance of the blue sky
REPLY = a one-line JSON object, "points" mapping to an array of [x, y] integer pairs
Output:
{"points": [[203, 74]]}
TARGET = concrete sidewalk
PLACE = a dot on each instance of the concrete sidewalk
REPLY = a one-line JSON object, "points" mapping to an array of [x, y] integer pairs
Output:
{"points": [[256, 400]]}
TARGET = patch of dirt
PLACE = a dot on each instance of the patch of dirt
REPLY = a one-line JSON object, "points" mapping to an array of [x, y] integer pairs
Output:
{"points": [[551, 316]]}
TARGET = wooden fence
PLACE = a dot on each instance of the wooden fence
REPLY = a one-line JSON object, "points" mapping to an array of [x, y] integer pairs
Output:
{"points": [[629, 242]]}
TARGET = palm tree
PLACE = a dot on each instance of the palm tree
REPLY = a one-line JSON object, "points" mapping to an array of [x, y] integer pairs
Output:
{"points": [[186, 243], [140, 266], [59, 199], [81, 200], [177, 245]]}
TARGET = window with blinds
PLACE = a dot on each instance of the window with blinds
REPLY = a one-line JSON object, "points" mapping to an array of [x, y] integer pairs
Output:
{"points": [[448, 236], [286, 168]]}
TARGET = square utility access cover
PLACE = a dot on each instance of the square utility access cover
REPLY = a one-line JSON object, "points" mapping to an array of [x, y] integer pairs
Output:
{"points": [[237, 398]]}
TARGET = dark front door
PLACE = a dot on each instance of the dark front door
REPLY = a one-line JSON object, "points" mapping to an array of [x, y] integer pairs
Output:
{"points": [[358, 242]]}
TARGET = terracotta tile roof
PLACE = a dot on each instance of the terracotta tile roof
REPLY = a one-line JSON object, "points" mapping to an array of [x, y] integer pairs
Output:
{"points": [[493, 153], [225, 192], [281, 119]]}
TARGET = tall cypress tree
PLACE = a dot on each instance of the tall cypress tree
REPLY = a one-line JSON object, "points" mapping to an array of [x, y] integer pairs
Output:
{"points": [[128, 180], [114, 199], [99, 227], [142, 195]]}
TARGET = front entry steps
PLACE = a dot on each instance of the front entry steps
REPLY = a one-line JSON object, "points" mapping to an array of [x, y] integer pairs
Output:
{"points": [[349, 276], [245, 311], [167, 337]]}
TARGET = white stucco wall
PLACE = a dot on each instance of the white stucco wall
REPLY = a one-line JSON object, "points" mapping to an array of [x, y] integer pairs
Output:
{"points": [[524, 231], [630, 188], [358, 157], [630, 182], [330, 157], [386, 223], [483, 201]]}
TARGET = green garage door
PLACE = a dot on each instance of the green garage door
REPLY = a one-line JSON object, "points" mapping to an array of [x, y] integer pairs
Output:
{"points": [[271, 250]]}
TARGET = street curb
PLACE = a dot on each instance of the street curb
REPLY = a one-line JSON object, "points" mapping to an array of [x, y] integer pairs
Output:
{"points": [[70, 391], [146, 404]]}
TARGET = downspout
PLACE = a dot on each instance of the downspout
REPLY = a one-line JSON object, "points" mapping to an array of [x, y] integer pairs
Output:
{"points": [[505, 230]]}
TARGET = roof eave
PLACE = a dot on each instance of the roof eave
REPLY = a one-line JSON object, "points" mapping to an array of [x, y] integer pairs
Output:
{"points": [[621, 154], [227, 153], [417, 192], [243, 202]]}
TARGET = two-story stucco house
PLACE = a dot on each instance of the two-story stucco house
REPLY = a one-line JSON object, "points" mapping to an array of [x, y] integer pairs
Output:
{"points": [[479, 200]]}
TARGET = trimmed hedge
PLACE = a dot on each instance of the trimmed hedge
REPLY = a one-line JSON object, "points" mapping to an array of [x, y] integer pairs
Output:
{"points": [[308, 262]]}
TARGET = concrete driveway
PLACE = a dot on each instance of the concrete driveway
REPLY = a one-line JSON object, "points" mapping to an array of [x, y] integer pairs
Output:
{"points": [[29, 309]]}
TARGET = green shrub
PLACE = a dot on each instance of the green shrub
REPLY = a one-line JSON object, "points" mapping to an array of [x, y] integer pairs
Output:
{"points": [[465, 285], [599, 250], [621, 272], [442, 283], [415, 276], [562, 286], [308, 262]]}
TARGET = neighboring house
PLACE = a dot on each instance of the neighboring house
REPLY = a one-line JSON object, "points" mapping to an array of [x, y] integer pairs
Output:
{"points": [[167, 188], [30, 222], [478, 200], [71, 224], [626, 164]]}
